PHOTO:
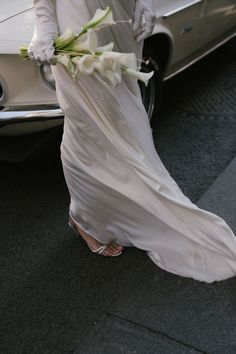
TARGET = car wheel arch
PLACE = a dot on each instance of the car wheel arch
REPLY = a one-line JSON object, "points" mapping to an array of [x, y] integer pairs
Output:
{"points": [[159, 46]]}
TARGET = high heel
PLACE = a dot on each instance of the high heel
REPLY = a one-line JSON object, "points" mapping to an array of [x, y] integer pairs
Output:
{"points": [[99, 250]]}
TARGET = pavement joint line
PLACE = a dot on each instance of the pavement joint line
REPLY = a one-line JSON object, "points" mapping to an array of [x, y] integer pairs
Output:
{"points": [[163, 334], [217, 178]]}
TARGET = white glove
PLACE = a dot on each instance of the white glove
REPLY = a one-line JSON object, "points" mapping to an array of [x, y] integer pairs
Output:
{"points": [[144, 19], [41, 48]]}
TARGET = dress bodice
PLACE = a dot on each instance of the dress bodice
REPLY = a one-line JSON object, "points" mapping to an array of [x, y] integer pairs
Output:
{"points": [[71, 14], [75, 13]]}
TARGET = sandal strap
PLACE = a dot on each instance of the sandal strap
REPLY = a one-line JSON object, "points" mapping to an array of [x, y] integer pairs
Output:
{"points": [[100, 249]]}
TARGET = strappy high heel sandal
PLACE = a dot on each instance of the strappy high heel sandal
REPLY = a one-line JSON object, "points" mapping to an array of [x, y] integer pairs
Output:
{"points": [[99, 250]]}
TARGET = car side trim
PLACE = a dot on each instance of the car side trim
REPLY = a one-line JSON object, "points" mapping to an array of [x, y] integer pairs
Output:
{"points": [[14, 115], [192, 62], [181, 8], [18, 13]]}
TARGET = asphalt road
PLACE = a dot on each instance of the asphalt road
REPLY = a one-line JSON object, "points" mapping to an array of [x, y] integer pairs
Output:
{"points": [[52, 288]]}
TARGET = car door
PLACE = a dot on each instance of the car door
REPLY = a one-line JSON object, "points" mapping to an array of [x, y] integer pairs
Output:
{"points": [[10, 8], [219, 19], [182, 20]]}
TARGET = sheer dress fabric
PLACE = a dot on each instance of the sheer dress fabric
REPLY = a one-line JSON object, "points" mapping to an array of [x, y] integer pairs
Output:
{"points": [[119, 188]]}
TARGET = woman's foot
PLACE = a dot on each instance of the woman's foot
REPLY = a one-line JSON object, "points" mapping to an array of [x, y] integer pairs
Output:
{"points": [[111, 250]]}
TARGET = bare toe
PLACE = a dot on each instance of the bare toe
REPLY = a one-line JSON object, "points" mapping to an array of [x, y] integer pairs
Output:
{"points": [[113, 249], [116, 246], [107, 253]]}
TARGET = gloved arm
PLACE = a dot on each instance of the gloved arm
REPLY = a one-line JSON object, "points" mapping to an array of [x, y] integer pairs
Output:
{"points": [[41, 48], [144, 19]]}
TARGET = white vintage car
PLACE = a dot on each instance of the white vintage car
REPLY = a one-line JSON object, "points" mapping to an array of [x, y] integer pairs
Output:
{"points": [[185, 31]]}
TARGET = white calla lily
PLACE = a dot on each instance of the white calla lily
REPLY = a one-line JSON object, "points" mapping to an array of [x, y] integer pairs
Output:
{"points": [[98, 65], [115, 75], [87, 45], [100, 19], [144, 77], [107, 63], [85, 64], [128, 60], [106, 48], [65, 39], [65, 60]]}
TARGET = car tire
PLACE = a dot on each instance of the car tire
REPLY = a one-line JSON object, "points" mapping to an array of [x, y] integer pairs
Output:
{"points": [[152, 94]]}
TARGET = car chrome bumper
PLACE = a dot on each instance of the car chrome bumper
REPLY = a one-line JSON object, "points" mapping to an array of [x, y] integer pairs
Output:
{"points": [[15, 121], [13, 115]]}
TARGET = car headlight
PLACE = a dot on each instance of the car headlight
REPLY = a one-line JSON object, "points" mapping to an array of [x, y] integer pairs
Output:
{"points": [[3, 91], [47, 76]]}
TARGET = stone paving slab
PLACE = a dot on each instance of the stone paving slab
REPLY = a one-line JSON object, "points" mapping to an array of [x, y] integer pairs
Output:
{"points": [[221, 196], [200, 315], [117, 336]]}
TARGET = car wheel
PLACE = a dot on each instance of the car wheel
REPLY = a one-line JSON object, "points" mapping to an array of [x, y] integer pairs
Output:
{"points": [[152, 94]]}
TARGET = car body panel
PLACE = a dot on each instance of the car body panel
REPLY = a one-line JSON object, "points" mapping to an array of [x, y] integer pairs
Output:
{"points": [[16, 31], [222, 13], [184, 22], [191, 28], [13, 7], [24, 84], [186, 26]]}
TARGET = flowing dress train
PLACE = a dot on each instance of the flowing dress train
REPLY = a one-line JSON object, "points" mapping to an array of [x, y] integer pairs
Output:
{"points": [[120, 190]]}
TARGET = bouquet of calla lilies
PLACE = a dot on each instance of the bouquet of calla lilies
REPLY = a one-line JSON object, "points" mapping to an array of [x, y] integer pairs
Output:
{"points": [[80, 53]]}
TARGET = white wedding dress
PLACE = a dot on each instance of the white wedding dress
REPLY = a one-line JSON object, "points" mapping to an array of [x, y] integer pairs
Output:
{"points": [[119, 188]]}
